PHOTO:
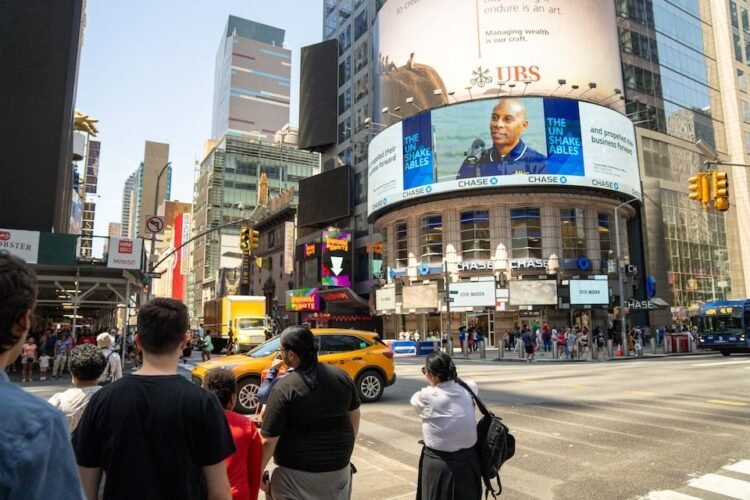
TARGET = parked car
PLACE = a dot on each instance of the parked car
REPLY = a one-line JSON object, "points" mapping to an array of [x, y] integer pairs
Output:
{"points": [[362, 355]]}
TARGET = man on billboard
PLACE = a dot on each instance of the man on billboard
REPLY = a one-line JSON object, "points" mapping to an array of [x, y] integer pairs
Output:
{"points": [[508, 154]]}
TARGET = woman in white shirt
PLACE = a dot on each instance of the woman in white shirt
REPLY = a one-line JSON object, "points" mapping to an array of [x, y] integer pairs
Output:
{"points": [[449, 465]]}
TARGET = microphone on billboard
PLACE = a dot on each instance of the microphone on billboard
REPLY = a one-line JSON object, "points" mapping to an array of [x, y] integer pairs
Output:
{"points": [[475, 152]]}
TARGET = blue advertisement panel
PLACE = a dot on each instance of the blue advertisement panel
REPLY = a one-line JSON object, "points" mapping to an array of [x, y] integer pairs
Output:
{"points": [[418, 161]]}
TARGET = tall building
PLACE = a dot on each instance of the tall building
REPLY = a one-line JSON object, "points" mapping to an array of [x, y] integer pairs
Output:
{"points": [[226, 190], [126, 214], [114, 230], [251, 82], [683, 71]]}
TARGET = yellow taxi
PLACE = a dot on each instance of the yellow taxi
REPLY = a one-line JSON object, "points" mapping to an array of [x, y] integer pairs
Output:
{"points": [[362, 355]]}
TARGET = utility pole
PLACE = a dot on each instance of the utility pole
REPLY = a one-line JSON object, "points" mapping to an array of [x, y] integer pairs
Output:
{"points": [[448, 306], [152, 256]]}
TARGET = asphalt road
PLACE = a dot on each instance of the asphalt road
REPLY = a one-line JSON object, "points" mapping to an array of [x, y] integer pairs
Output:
{"points": [[655, 428]]}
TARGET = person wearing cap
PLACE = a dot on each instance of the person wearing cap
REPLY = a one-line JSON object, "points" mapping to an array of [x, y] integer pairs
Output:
{"points": [[310, 425], [113, 370]]}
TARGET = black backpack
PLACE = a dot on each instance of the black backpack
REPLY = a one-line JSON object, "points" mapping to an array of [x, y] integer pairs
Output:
{"points": [[495, 445]]}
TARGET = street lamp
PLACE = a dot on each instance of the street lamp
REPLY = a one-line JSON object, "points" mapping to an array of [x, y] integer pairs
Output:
{"points": [[620, 280], [152, 257]]}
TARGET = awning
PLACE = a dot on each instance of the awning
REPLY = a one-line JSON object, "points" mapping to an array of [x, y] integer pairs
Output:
{"points": [[650, 305], [343, 300]]}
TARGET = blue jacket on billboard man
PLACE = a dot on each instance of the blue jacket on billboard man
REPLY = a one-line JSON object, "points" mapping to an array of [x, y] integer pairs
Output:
{"points": [[508, 154]]}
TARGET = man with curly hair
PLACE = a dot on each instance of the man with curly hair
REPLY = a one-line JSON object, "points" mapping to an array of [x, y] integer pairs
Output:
{"points": [[32, 431], [86, 364]]}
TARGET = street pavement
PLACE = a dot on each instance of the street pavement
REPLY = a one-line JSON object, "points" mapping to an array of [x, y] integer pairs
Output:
{"points": [[647, 428]]}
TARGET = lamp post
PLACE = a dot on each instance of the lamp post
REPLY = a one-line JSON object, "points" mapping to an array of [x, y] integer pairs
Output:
{"points": [[620, 280], [152, 256]]}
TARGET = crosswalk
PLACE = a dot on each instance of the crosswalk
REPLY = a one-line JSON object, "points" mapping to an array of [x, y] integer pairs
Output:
{"points": [[731, 481]]}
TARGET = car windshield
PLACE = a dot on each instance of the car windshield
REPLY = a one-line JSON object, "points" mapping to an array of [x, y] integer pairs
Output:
{"points": [[717, 324], [243, 323], [265, 349]]}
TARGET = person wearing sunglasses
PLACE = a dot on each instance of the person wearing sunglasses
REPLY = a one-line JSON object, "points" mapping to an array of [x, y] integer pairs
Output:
{"points": [[449, 464]]}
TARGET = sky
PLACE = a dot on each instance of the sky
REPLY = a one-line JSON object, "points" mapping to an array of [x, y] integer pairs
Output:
{"points": [[146, 72]]}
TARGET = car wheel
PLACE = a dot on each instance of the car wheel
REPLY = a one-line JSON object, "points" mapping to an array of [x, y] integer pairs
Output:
{"points": [[247, 395], [724, 352], [370, 386]]}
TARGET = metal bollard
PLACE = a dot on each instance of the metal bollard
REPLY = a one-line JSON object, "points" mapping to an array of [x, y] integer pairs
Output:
{"points": [[521, 350], [482, 350], [554, 350], [500, 348], [653, 345], [610, 348], [450, 346], [465, 349], [435, 345]]}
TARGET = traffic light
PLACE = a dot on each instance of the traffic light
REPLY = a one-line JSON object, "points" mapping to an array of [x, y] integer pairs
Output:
{"points": [[720, 191], [254, 239], [700, 188], [245, 244]]}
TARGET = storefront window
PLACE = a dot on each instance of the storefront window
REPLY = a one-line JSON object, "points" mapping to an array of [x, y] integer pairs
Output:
{"points": [[475, 235], [571, 233], [402, 248], [526, 233], [605, 241], [431, 239]]}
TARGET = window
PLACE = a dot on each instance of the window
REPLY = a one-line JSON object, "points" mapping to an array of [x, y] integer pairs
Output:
{"points": [[746, 111], [571, 233], [340, 343], [345, 40], [605, 240], [475, 235], [431, 239], [737, 47], [360, 25], [733, 13], [345, 129], [345, 71], [345, 100], [402, 248], [526, 233], [741, 80], [745, 23], [360, 57], [747, 142]]}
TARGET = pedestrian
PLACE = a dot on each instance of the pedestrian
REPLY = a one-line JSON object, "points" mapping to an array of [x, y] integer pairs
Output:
{"points": [[35, 452], [86, 337], [86, 365], [61, 356], [310, 425], [28, 358], [207, 346], [243, 466], [129, 346], [547, 338], [43, 365], [444, 340], [528, 345], [449, 463], [153, 433], [113, 370], [462, 337]]}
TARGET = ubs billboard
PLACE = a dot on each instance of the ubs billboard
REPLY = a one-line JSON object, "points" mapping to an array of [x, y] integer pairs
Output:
{"points": [[483, 43], [505, 142]]}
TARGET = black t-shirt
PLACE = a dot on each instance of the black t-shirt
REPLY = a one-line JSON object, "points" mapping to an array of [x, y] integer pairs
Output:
{"points": [[316, 434], [152, 435]]}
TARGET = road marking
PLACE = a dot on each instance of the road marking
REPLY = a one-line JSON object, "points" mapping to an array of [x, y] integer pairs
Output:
{"points": [[722, 485], [725, 402], [642, 393], [668, 495], [577, 386], [743, 467], [722, 363], [528, 381]]}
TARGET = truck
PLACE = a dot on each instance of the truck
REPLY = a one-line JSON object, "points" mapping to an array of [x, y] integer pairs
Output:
{"points": [[244, 314]]}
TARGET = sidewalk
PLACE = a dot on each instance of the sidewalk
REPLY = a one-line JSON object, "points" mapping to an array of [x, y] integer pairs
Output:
{"points": [[492, 354]]}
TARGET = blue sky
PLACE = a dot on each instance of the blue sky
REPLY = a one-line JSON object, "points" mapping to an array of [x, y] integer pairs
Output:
{"points": [[147, 70]]}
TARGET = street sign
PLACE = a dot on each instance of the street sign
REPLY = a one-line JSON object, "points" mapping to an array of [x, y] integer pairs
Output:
{"points": [[154, 275], [155, 224], [451, 299]]}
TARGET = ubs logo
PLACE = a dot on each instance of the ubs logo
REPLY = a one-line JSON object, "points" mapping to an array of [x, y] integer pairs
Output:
{"points": [[518, 73]]}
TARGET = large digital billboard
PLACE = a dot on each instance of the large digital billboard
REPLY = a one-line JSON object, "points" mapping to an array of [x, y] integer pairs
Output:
{"points": [[336, 258], [494, 143], [470, 48], [590, 292], [533, 292]]}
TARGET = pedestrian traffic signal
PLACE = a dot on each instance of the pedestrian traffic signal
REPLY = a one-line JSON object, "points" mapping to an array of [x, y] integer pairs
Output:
{"points": [[720, 191], [254, 239], [245, 239], [700, 188]]}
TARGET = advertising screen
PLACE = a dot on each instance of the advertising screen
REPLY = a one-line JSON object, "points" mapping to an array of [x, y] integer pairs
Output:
{"points": [[533, 293], [419, 296], [484, 48], [472, 294], [493, 143], [589, 292], [303, 299], [336, 262]]}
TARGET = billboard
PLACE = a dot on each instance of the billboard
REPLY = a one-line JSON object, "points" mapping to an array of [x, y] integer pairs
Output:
{"points": [[324, 197], [589, 292], [508, 142], [336, 261], [419, 296], [23, 244], [303, 299], [533, 292], [125, 253], [484, 48], [472, 294]]}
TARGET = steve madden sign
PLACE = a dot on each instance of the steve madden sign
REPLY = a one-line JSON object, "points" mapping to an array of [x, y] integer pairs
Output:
{"points": [[529, 263]]}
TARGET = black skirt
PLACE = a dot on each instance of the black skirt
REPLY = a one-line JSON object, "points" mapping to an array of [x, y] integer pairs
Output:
{"points": [[447, 475]]}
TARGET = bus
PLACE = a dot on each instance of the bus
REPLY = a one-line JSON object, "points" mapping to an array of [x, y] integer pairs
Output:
{"points": [[724, 326]]}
